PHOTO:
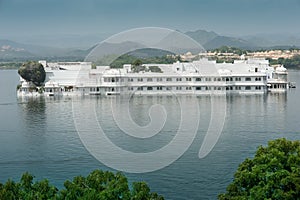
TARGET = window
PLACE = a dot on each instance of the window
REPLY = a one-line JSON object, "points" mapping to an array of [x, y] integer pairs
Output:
{"points": [[149, 79], [257, 79], [140, 79], [149, 88], [198, 88], [238, 87], [198, 79], [248, 88], [188, 88], [130, 79], [207, 79], [168, 88], [207, 88], [229, 88], [237, 78], [159, 88], [130, 88], [178, 79], [169, 79], [188, 79], [248, 78], [258, 87], [159, 79], [178, 88], [140, 88]]}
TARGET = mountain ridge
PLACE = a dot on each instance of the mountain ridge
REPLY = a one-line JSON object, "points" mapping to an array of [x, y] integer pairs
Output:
{"points": [[12, 51]]}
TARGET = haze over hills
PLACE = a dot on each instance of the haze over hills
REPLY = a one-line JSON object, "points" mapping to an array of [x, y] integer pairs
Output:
{"points": [[15, 51]]}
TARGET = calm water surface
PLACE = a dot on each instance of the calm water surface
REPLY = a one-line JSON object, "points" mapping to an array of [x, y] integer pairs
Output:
{"points": [[39, 136]]}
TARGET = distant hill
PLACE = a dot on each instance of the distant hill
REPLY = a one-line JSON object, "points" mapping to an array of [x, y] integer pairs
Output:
{"points": [[202, 36], [270, 40], [228, 41], [211, 40], [13, 51]]}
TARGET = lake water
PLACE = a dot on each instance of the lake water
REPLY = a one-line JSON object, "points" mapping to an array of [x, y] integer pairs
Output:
{"points": [[39, 136]]}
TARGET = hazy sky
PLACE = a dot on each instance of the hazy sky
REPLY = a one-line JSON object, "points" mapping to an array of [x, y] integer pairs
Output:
{"points": [[24, 18]]}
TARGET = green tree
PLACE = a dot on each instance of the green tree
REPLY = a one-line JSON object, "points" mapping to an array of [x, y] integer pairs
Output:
{"points": [[274, 173], [33, 71], [98, 185], [137, 62]]}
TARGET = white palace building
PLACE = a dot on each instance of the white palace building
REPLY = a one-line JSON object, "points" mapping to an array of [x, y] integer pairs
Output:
{"points": [[252, 76]]}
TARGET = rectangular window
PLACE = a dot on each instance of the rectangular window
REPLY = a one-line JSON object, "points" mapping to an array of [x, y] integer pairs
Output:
{"points": [[198, 79], [140, 88], [149, 88], [178, 79], [258, 79], [188, 79], [207, 79], [248, 88], [188, 88], [149, 79], [168, 88], [198, 88], [169, 79], [159, 88], [159, 79], [140, 79], [238, 79], [178, 88], [248, 79]]}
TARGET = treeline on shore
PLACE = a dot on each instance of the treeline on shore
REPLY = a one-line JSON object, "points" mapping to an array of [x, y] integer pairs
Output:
{"points": [[290, 63]]}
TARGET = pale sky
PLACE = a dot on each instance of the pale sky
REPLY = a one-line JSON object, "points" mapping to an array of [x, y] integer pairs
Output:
{"points": [[27, 18]]}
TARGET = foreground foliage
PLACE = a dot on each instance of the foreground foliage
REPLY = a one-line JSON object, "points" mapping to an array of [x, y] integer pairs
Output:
{"points": [[33, 72], [97, 185], [274, 173]]}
